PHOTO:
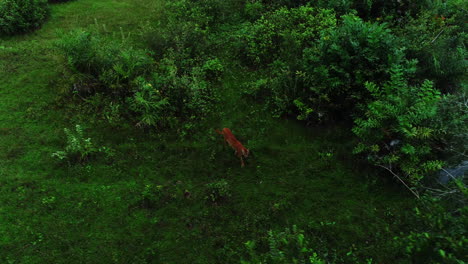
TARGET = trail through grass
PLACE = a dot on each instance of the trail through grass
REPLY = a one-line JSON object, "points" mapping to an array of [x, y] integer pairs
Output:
{"points": [[132, 209]]}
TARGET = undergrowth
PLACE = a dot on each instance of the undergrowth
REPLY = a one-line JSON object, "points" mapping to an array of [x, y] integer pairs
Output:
{"points": [[151, 80]]}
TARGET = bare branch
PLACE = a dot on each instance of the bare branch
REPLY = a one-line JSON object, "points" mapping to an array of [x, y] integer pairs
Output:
{"points": [[398, 177], [437, 35]]}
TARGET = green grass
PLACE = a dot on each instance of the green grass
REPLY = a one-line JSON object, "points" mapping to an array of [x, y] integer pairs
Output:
{"points": [[98, 213]]}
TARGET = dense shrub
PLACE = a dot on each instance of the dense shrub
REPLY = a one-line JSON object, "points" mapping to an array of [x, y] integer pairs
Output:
{"points": [[19, 16], [187, 27], [451, 123], [440, 235], [157, 94], [345, 58], [321, 73], [189, 39], [368, 10], [436, 38], [172, 93], [113, 64], [396, 132], [283, 34]]}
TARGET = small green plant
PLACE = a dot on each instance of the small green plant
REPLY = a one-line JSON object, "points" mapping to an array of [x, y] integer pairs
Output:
{"points": [[154, 195], [150, 104], [289, 246], [327, 156], [344, 58], [213, 69], [79, 148], [218, 191], [19, 16]]}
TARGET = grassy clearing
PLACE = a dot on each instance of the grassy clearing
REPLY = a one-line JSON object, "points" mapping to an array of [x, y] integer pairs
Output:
{"points": [[132, 208]]}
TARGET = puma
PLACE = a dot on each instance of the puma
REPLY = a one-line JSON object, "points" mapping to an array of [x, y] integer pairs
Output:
{"points": [[239, 150]]}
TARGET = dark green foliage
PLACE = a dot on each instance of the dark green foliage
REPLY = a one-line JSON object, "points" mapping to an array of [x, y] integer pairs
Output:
{"points": [[186, 38], [278, 39], [213, 69], [440, 236], [170, 93], [157, 94], [372, 9], [283, 34], [345, 58], [186, 27], [437, 39], [254, 9], [19, 16], [153, 107], [172, 193], [112, 64], [217, 192], [289, 246], [451, 123], [79, 149], [287, 3], [396, 131], [321, 74]]}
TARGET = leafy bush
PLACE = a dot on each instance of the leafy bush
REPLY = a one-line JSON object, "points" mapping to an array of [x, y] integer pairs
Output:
{"points": [[189, 39], [324, 76], [396, 133], [286, 3], [112, 64], [158, 94], [289, 246], [392, 9], [283, 33], [451, 123], [218, 191], [440, 236], [172, 93], [346, 57], [187, 26], [437, 39], [154, 196], [213, 69], [19, 16], [253, 9], [150, 103]]}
